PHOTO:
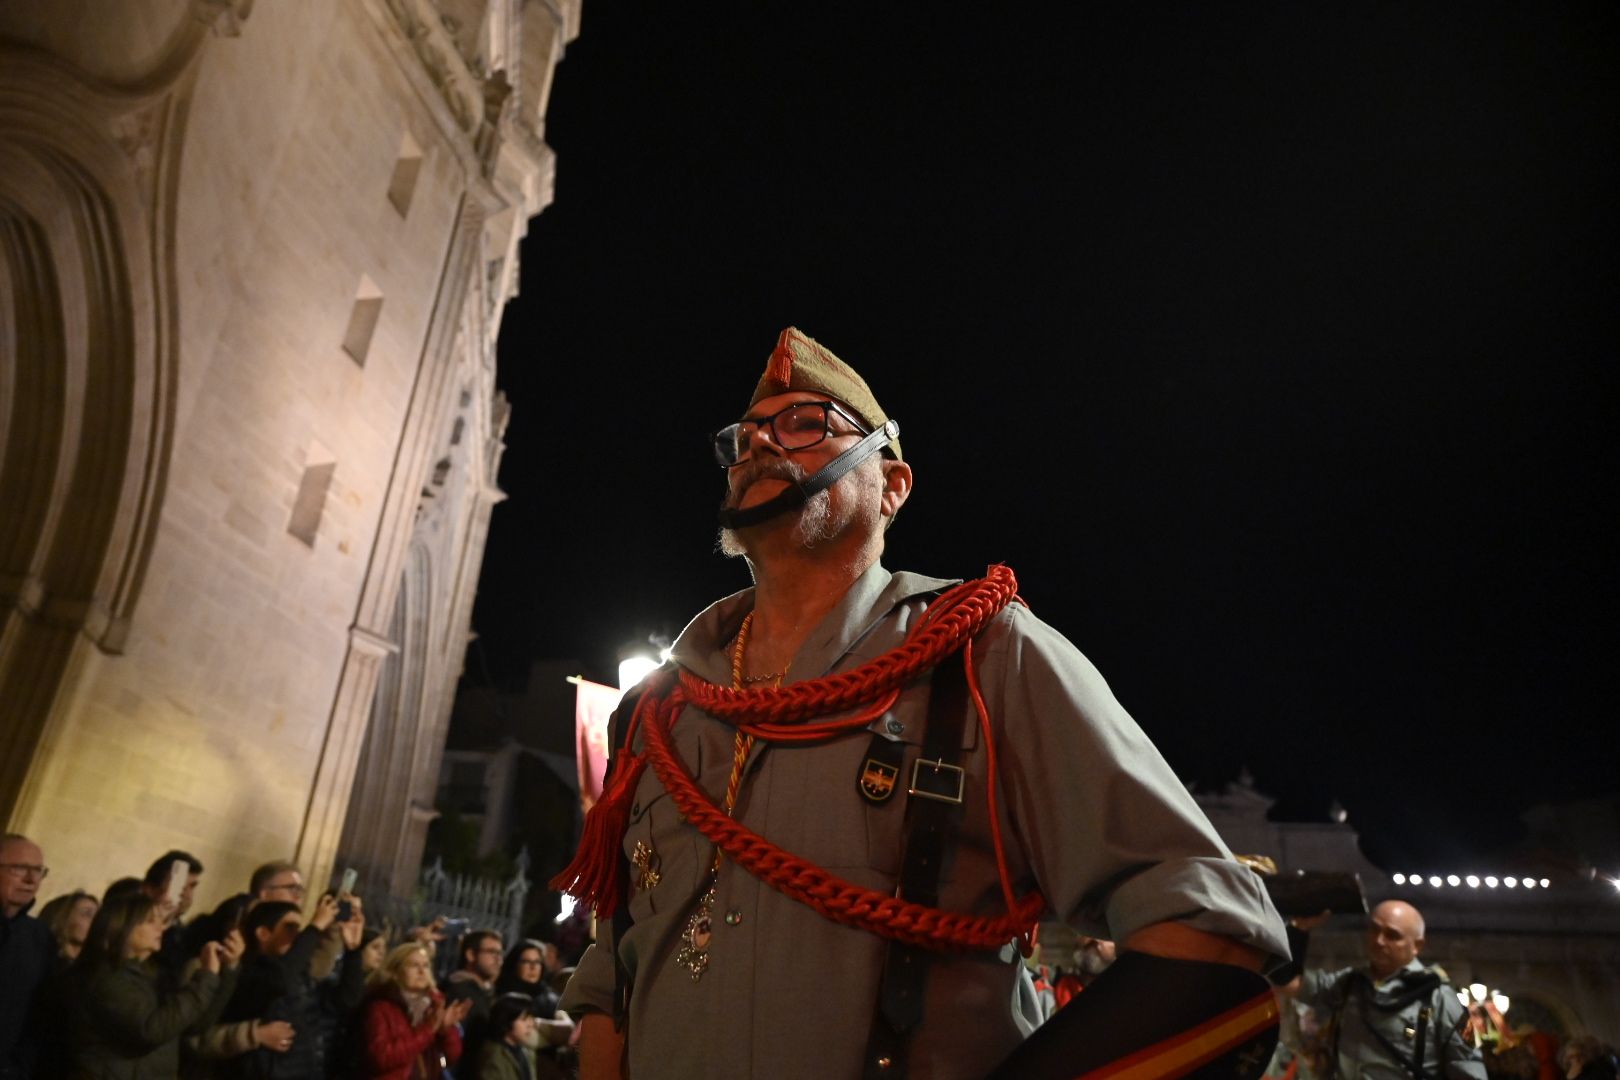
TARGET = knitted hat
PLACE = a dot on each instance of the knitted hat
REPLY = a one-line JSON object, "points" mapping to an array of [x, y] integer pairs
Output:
{"points": [[799, 363]]}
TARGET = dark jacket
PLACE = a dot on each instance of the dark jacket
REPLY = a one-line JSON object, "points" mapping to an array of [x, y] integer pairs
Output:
{"points": [[498, 1061], [130, 1024], [544, 998], [281, 988], [25, 959], [460, 986]]}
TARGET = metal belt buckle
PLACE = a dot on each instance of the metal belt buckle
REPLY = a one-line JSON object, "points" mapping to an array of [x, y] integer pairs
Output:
{"points": [[942, 787]]}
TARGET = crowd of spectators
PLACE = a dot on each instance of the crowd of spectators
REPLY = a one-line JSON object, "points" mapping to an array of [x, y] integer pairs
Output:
{"points": [[126, 986]]}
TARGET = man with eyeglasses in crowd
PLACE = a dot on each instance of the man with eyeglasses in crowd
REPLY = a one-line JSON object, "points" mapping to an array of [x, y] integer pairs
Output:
{"points": [[25, 950], [281, 880], [802, 876], [474, 981]]}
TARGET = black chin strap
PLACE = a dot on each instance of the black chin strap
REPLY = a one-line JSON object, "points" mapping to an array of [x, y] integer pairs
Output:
{"points": [[796, 494]]}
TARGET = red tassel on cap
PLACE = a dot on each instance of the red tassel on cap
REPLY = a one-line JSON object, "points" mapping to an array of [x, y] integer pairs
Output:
{"points": [[596, 876]]}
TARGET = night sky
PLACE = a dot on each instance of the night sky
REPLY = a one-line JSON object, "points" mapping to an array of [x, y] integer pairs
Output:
{"points": [[1273, 348]]}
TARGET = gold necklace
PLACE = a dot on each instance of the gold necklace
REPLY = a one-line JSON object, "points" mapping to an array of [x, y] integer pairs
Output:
{"points": [[699, 931]]}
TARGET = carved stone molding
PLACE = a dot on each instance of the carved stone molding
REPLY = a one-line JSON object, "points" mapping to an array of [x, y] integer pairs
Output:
{"points": [[370, 643], [224, 17], [139, 133], [436, 49]]}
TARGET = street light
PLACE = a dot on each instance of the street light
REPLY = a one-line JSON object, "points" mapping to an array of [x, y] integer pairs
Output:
{"points": [[633, 669]]}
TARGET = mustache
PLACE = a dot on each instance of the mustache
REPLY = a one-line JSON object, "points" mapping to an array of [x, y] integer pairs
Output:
{"points": [[769, 469]]}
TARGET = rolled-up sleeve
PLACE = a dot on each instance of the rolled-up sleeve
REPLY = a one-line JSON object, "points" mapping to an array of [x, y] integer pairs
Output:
{"points": [[1114, 840]]}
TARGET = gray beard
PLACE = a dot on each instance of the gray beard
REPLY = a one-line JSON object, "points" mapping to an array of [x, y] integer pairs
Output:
{"points": [[813, 528]]}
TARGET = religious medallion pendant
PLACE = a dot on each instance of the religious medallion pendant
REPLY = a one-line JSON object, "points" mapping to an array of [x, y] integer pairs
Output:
{"points": [[694, 954]]}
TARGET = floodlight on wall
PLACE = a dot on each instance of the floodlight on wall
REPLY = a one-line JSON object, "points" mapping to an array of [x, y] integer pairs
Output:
{"points": [[1473, 881], [1436, 881], [1453, 880], [1511, 882], [1490, 880], [1545, 883], [1399, 879]]}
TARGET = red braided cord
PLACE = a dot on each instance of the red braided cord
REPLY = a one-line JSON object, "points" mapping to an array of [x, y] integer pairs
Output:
{"points": [[949, 624], [1026, 939], [832, 897], [953, 619]]}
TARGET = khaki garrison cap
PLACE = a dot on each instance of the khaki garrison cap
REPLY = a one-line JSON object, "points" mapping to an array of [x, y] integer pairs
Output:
{"points": [[798, 363]]}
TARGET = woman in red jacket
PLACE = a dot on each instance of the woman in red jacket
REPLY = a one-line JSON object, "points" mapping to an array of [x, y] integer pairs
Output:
{"points": [[410, 1034]]}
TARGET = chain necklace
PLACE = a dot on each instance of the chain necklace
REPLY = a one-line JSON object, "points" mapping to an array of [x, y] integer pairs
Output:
{"points": [[695, 939]]}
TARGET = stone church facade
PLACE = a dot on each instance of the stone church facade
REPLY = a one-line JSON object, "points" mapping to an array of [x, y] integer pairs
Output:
{"points": [[253, 258]]}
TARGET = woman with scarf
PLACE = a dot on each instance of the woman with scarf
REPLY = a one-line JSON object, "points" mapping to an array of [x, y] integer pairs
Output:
{"points": [[409, 1033]]}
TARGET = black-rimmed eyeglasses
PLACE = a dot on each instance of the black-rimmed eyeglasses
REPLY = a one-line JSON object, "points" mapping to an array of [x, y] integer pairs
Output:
{"points": [[797, 427]]}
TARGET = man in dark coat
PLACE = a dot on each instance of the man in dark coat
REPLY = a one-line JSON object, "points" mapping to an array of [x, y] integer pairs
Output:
{"points": [[276, 984], [475, 981], [25, 950]]}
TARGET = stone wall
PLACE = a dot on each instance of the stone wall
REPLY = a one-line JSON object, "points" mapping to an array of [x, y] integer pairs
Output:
{"points": [[254, 261]]}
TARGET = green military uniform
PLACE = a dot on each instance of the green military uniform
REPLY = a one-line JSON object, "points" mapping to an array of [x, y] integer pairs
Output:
{"points": [[1092, 816], [1375, 1025]]}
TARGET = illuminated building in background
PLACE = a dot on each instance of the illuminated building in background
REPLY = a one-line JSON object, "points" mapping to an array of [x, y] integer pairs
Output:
{"points": [[253, 259]]}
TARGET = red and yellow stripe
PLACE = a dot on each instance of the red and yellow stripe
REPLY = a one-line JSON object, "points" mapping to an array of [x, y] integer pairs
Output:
{"points": [[1181, 1054]]}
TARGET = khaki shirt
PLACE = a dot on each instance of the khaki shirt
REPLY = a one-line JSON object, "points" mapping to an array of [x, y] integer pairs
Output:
{"points": [[1091, 815], [1364, 1033]]}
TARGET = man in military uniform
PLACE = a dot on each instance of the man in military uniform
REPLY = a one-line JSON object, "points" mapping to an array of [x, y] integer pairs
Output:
{"points": [[842, 902], [1393, 1019]]}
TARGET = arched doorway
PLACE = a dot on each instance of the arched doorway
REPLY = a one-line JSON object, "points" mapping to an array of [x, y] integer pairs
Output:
{"points": [[85, 389], [377, 830]]}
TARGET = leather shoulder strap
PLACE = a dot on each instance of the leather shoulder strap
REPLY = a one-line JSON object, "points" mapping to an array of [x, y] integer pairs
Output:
{"points": [[930, 828]]}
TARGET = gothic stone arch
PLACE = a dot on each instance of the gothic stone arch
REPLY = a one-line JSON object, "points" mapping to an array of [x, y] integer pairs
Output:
{"points": [[86, 417]]}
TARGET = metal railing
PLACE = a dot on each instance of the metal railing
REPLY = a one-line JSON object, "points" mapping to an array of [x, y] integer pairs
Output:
{"points": [[482, 903]]}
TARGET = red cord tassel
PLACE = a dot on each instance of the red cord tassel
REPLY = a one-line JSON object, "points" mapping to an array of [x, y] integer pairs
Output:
{"points": [[596, 876]]}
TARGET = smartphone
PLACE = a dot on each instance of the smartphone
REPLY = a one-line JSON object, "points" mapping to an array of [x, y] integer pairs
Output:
{"points": [[345, 910], [175, 887]]}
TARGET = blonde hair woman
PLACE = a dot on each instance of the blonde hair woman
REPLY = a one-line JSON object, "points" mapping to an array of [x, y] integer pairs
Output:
{"points": [[410, 1034]]}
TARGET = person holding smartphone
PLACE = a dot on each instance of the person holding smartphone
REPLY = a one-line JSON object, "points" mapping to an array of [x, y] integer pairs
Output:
{"points": [[276, 985], [129, 1018], [171, 883]]}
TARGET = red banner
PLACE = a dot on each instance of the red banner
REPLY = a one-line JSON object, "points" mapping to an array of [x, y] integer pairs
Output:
{"points": [[593, 706]]}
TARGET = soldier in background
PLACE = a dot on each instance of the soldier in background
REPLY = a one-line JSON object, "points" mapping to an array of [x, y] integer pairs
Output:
{"points": [[1393, 1019]]}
